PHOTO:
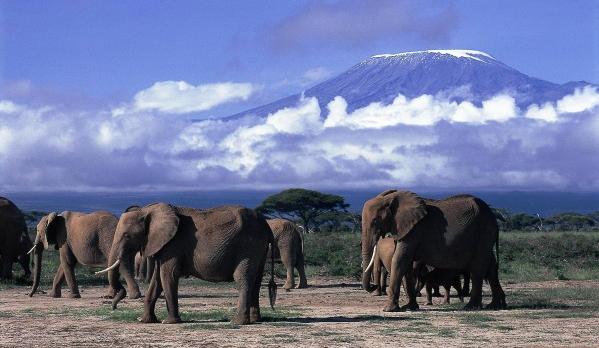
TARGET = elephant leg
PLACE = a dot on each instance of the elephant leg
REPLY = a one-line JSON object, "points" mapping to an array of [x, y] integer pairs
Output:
{"points": [[457, 284], [68, 262], [7, 261], [169, 275], [377, 275], [383, 281], [476, 293], [255, 295], [57, 282], [245, 277], [436, 292], [466, 288], [498, 301], [290, 281], [125, 269], [299, 264], [152, 293], [401, 264], [447, 288], [150, 265], [429, 293], [24, 262]]}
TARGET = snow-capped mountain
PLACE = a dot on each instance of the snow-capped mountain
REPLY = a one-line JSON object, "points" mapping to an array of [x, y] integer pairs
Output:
{"points": [[457, 75]]}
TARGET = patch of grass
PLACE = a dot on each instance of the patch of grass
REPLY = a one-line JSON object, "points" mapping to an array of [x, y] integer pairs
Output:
{"points": [[479, 320], [283, 338], [211, 326], [325, 333], [445, 332], [6, 314], [555, 298], [345, 339], [558, 314], [504, 328], [526, 256]]}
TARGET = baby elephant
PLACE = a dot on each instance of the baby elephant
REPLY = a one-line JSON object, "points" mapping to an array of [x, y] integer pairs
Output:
{"points": [[431, 277], [289, 247], [380, 263]]}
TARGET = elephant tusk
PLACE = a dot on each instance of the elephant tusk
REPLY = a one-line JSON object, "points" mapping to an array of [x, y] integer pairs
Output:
{"points": [[31, 250], [371, 260], [115, 265]]}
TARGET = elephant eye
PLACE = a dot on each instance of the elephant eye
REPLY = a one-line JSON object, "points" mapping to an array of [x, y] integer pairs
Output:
{"points": [[126, 236]]}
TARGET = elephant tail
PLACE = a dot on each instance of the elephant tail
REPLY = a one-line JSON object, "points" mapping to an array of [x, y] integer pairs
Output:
{"points": [[272, 286]]}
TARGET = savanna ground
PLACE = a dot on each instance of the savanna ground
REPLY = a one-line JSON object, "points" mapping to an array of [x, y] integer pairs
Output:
{"points": [[551, 283]]}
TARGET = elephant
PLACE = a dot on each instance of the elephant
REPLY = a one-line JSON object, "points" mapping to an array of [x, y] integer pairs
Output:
{"points": [[144, 267], [289, 247], [12, 227], [379, 264], [220, 244], [458, 233], [80, 238], [431, 277]]}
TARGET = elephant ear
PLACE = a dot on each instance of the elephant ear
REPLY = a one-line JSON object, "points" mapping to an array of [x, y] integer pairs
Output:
{"points": [[162, 224], [387, 192], [409, 209], [47, 234], [132, 208]]}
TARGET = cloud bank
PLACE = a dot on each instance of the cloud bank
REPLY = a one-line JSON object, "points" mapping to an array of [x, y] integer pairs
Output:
{"points": [[425, 142]]}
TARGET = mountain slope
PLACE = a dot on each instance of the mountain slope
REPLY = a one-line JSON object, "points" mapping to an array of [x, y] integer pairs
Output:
{"points": [[455, 74]]}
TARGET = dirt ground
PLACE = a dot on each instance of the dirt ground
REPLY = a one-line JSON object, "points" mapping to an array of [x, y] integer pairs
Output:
{"points": [[332, 312]]}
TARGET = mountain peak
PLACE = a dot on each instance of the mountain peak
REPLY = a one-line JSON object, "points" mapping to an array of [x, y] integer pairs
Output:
{"points": [[471, 54]]}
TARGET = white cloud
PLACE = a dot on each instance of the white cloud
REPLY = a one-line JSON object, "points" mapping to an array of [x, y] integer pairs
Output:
{"points": [[8, 107], [425, 110], [180, 97], [316, 74], [581, 100], [421, 142]]}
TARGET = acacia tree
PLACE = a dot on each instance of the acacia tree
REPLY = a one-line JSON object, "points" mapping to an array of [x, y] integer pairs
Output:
{"points": [[301, 204]]}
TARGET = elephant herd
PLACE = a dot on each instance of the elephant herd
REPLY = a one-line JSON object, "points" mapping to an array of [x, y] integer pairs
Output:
{"points": [[432, 242]]}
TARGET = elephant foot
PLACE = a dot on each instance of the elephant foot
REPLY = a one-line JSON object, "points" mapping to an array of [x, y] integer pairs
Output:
{"points": [[111, 293], [497, 305], [241, 319], [413, 306], [255, 315], [74, 295], [148, 318], [392, 308], [377, 293], [302, 285], [287, 286], [172, 320], [473, 306], [418, 294], [429, 303], [134, 295], [437, 295]]}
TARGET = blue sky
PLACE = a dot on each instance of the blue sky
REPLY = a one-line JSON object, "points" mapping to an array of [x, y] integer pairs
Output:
{"points": [[108, 50], [99, 95]]}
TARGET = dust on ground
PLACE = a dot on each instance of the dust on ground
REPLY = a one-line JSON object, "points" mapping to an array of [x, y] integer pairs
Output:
{"points": [[332, 312]]}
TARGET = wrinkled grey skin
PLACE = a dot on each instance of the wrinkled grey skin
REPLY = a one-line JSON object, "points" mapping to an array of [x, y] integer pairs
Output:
{"points": [[454, 233], [12, 227], [221, 244], [289, 248], [144, 267], [80, 239]]}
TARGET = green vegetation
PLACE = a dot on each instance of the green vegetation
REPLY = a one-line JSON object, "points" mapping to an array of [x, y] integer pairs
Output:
{"points": [[523, 256], [567, 221], [302, 205]]}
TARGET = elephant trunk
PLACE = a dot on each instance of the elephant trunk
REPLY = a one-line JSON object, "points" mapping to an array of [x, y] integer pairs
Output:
{"points": [[37, 268], [113, 279]]}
